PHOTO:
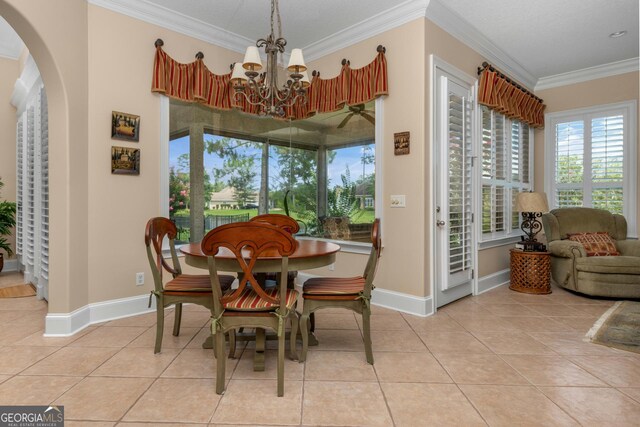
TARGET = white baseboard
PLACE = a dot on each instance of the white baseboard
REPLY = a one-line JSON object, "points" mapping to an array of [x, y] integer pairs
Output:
{"points": [[66, 324], [411, 304], [10, 265], [491, 281], [418, 306]]}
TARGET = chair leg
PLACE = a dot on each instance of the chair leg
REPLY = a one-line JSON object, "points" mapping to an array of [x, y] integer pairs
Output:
{"points": [[293, 317], [159, 323], [220, 362], [281, 364], [177, 320], [366, 331], [304, 331], [312, 319], [232, 343]]}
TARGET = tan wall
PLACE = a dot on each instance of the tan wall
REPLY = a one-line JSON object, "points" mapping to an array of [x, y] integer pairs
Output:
{"points": [[56, 35], [121, 53], [401, 265], [10, 71], [608, 90]]}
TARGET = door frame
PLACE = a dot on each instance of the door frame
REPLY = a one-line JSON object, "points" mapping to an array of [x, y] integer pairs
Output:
{"points": [[436, 63]]}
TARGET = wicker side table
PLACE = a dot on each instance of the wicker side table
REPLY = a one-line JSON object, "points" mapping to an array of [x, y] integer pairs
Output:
{"points": [[530, 272]]}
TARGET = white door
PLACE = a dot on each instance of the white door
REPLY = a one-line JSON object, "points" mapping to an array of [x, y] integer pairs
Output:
{"points": [[455, 256]]}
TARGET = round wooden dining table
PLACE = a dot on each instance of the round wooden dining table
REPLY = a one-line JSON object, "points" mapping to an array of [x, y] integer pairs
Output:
{"points": [[309, 254]]}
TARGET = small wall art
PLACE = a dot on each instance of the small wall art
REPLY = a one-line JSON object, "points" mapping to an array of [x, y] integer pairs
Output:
{"points": [[401, 143], [125, 161], [125, 126]]}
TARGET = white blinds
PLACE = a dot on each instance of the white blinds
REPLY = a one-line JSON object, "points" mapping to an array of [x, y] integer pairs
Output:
{"points": [[44, 186], [19, 186], [459, 184], [506, 169], [32, 167]]}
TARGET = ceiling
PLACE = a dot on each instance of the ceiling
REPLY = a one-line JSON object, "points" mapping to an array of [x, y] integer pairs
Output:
{"points": [[539, 38]]}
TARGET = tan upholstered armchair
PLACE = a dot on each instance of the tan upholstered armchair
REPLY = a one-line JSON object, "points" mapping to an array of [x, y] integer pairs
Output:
{"points": [[571, 268]]}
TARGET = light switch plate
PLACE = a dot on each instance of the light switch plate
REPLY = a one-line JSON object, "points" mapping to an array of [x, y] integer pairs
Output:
{"points": [[398, 201]]}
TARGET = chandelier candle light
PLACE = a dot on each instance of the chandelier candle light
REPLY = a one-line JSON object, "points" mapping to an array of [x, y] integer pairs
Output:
{"points": [[531, 205], [264, 91]]}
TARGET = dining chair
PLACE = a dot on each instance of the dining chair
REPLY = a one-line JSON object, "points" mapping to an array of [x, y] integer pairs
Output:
{"points": [[250, 305], [182, 288], [288, 224], [283, 221], [353, 293]]}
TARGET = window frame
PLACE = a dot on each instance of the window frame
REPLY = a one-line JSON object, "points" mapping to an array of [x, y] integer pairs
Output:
{"points": [[509, 234], [346, 246], [628, 109]]}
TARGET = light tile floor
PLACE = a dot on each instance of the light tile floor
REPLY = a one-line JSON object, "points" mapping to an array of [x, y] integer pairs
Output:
{"points": [[499, 359]]}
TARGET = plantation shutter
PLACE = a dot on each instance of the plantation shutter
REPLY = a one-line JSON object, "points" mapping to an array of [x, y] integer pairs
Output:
{"points": [[44, 188], [569, 169], [460, 208], [506, 166], [32, 189], [607, 167], [20, 148]]}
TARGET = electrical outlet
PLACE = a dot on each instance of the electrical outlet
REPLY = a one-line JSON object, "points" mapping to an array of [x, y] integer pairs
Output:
{"points": [[139, 279], [332, 266]]}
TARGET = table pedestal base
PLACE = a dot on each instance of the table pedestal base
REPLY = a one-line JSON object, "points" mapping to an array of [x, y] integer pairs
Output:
{"points": [[260, 337]]}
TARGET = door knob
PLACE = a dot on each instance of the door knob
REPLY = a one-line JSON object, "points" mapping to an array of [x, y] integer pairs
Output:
{"points": [[440, 223]]}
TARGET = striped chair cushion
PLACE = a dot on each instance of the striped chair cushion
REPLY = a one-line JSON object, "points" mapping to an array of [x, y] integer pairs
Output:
{"points": [[249, 300], [193, 283], [333, 286]]}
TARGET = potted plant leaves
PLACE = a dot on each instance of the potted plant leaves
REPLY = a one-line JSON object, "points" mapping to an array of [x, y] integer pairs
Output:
{"points": [[7, 222]]}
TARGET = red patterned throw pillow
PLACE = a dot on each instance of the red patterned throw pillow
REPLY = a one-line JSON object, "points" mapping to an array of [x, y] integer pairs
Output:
{"points": [[596, 244]]}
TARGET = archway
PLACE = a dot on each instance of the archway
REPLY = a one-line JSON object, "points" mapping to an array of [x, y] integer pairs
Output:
{"points": [[67, 99]]}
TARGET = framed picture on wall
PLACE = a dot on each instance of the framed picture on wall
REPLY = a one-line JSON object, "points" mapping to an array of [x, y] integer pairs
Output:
{"points": [[125, 126], [125, 161]]}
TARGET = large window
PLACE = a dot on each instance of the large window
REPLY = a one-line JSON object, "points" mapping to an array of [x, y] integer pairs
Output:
{"points": [[591, 159], [225, 166], [506, 168]]}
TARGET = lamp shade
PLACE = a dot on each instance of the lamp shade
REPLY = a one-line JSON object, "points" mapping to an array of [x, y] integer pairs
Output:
{"points": [[296, 60], [238, 76], [531, 202], [252, 59], [305, 80]]}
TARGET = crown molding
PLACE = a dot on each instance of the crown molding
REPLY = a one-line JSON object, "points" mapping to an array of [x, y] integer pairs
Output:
{"points": [[174, 21], [464, 31], [599, 71], [370, 27]]}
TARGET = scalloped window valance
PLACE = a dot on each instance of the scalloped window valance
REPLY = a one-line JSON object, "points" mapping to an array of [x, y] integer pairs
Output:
{"points": [[505, 96], [194, 82]]}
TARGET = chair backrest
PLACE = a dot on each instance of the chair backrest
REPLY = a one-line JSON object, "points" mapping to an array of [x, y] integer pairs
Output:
{"points": [[285, 222], [156, 230], [374, 256], [248, 241], [559, 223]]}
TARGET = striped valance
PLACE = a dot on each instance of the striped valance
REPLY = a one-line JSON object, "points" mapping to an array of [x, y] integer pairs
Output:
{"points": [[194, 82], [501, 94]]}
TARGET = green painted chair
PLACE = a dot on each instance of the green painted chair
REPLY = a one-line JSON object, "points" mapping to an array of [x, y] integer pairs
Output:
{"points": [[352, 293], [182, 288], [251, 306]]}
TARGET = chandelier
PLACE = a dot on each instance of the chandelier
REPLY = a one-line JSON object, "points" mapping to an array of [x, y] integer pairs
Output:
{"points": [[263, 88]]}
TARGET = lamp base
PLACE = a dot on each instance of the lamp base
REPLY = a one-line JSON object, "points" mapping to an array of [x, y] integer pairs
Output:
{"points": [[531, 245]]}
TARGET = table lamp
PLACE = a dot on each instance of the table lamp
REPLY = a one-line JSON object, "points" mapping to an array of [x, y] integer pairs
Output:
{"points": [[531, 205]]}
